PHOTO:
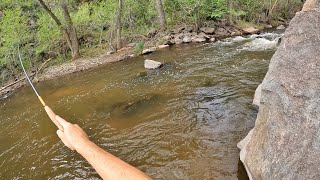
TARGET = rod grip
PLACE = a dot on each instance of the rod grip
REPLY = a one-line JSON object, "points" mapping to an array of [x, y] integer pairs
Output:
{"points": [[52, 116]]}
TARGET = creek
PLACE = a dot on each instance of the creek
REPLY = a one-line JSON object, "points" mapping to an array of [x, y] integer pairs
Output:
{"points": [[181, 121]]}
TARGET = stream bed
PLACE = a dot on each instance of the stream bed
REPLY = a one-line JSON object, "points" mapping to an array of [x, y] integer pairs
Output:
{"points": [[182, 121]]}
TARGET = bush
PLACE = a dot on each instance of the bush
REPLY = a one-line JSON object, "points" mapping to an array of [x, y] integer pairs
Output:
{"points": [[14, 33], [48, 34]]}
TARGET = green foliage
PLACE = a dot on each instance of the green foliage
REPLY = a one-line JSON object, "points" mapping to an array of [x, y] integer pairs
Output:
{"points": [[14, 33], [81, 18], [195, 10], [48, 34], [138, 48]]}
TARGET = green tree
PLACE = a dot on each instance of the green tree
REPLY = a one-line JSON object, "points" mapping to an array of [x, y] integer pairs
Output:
{"points": [[15, 32], [68, 30]]}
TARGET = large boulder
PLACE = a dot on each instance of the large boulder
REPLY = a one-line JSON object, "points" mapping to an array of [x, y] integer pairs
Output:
{"points": [[285, 142], [257, 96]]}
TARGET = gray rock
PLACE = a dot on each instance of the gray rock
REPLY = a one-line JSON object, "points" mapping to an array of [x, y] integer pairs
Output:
{"points": [[148, 51], [281, 27], [212, 39], [250, 30], [188, 29], [151, 64], [163, 46], [187, 39], [167, 37], [178, 41], [207, 30], [268, 26], [285, 142], [178, 38], [203, 35], [221, 32], [199, 39]]}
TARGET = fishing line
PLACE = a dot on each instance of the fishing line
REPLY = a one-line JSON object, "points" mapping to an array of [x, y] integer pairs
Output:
{"points": [[30, 82], [50, 113]]}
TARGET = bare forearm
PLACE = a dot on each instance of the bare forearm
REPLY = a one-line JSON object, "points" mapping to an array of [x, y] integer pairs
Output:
{"points": [[107, 165]]}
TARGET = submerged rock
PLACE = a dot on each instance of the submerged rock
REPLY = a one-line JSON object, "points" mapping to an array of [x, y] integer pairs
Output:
{"points": [[151, 64], [285, 142], [136, 106]]}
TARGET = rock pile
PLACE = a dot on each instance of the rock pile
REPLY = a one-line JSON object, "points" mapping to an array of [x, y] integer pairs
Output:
{"points": [[186, 34]]}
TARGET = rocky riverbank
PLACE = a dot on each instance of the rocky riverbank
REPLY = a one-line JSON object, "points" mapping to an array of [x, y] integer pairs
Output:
{"points": [[285, 143], [153, 40]]}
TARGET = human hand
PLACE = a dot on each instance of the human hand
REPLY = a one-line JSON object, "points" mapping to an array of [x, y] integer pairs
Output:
{"points": [[72, 135]]}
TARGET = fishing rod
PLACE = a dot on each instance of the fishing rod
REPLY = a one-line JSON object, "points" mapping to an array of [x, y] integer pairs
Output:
{"points": [[49, 111]]}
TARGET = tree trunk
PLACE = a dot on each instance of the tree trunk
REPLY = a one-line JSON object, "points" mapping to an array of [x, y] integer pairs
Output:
{"points": [[54, 17], [69, 32], [119, 25], [161, 14]]}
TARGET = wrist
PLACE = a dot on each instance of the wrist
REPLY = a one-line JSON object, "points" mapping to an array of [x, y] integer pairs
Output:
{"points": [[83, 146]]}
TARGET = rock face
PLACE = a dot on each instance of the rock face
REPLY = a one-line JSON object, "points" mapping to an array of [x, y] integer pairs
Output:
{"points": [[285, 142], [151, 64], [257, 96]]}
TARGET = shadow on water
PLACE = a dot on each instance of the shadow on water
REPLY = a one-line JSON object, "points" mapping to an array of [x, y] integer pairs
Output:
{"points": [[182, 121]]}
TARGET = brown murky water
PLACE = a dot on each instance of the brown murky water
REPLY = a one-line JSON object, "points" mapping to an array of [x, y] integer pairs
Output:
{"points": [[182, 121]]}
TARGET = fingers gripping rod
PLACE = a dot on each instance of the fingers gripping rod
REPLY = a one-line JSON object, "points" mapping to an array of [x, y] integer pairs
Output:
{"points": [[50, 113]]}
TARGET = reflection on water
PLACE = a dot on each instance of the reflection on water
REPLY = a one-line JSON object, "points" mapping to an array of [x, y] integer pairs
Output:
{"points": [[182, 121]]}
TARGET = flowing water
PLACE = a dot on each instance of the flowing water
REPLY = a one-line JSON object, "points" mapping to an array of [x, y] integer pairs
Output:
{"points": [[182, 121]]}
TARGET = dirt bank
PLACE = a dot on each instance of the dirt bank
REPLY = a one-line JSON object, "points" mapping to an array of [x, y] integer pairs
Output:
{"points": [[67, 68]]}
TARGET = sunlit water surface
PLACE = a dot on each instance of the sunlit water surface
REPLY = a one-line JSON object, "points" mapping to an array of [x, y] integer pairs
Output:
{"points": [[182, 121]]}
